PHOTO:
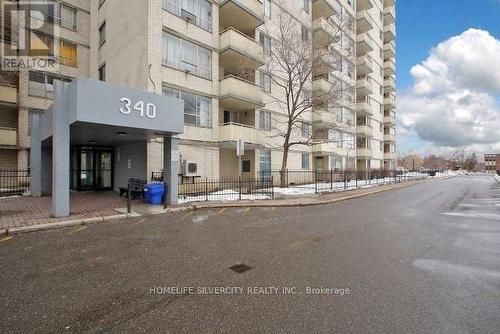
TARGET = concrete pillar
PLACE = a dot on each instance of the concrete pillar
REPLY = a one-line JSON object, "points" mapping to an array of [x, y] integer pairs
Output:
{"points": [[36, 156], [171, 166], [60, 154]]}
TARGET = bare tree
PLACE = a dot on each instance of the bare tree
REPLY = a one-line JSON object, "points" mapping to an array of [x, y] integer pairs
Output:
{"points": [[294, 60], [457, 157]]}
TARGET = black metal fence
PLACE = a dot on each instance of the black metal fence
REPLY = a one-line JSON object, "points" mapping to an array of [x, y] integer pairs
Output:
{"points": [[14, 182], [316, 181], [225, 189], [270, 184]]}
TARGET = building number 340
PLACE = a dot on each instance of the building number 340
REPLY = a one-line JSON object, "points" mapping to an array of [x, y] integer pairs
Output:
{"points": [[145, 109]]}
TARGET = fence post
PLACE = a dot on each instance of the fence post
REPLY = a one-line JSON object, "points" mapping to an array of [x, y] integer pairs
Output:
{"points": [[239, 184], [331, 179], [315, 181], [356, 177], [272, 187], [287, 177], [129, 195], [206, 188], [345, 179]]}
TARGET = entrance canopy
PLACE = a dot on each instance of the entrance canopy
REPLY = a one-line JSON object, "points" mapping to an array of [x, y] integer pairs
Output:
{"points": [[94, 113]]}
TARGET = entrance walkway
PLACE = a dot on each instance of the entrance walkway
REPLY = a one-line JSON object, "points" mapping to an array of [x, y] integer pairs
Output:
{"points": [[27, 211]]}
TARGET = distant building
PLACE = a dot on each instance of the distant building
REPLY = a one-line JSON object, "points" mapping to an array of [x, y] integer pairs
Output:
{"points": [[491, 162]]}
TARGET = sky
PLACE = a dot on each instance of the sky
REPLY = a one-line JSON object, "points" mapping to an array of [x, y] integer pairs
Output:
{"points": [[448, 75]]}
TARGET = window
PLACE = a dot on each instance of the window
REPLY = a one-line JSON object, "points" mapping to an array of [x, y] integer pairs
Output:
{"points": [[186, 56], [265, 162], [266, 42], [335, 137], [62, 15], [68, 17], [67, 54], [265, 120], [306, 6], [198, 12], [265, 82], [336, 162], [102, 72], [42, 85], [348, 141], [230, 116], [102, 34], [267, 8], [246, 166], [197, 108], [305, 161], [305, 33], [305, 130]]}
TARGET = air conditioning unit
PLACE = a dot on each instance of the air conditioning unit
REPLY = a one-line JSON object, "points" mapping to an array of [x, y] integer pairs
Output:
{"points": [[190, 168]]}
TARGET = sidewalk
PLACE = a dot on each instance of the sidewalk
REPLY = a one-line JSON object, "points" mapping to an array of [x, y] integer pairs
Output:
{"points": [[98, 209]]}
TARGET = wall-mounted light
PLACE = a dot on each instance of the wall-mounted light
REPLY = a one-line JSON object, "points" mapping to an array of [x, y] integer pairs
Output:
{"points": [[92, 142], [122, 134]]}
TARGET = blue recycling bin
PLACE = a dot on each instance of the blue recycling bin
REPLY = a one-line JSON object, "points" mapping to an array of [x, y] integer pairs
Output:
{"points": [[153, 192]]}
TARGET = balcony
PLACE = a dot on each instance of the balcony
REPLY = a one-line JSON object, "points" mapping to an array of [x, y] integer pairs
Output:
{"points": [[326, 147], [390, 102], [389, 84], [8, 137], [236, 131], [364, 153], [324, 118], [363, 108], [389, 3], [390, 120], [237, 50], [322, 88], [389, 15], [389, 67], [364, 22], [8, 94], [390, 137], [390, 156], [364, 131], [324, 32], [244, 15], [239, 95], [364, 86], [323, 8], [389, 49], [364, 4], [364, 65], [389, 33], [364, 44]]}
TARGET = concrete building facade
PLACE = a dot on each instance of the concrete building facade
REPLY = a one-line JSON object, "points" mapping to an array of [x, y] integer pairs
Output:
{"points": [[491, 163], [212, 54]]}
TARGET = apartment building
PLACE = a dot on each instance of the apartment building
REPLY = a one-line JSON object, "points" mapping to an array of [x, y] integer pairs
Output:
{"points": [[375, 88], [491, 163], [212, 55]]}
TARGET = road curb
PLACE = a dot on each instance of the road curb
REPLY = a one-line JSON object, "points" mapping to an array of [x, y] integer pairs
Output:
{"points": [[191, 207], [67, 223]]}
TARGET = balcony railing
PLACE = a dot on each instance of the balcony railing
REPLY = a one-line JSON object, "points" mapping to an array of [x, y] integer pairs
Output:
{"points": [[364, 153], [364, 21], [364, 44], [389, 49], [390, 119], [390, 137], [389, 15], [238, 49], [8, 94], [389, 33], [364, 108], [389, 66], [8, 137], [364, 65], [364, 86], [390, 102], [390, 84], [364, 131], [237, 131], [244, 15]]}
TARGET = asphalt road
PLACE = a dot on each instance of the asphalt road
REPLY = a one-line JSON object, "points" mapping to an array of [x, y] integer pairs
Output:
{"points": [[422, 259]]}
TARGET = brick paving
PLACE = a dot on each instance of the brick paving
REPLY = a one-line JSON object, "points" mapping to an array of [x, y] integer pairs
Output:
{"points": [[27, 211]]}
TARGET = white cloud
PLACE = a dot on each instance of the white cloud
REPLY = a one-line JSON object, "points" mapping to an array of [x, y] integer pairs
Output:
{"points": [[453, 101]]}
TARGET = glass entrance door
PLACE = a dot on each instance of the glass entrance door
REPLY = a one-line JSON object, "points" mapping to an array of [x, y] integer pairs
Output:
{"points": [[104, 170], [92, 168]]}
